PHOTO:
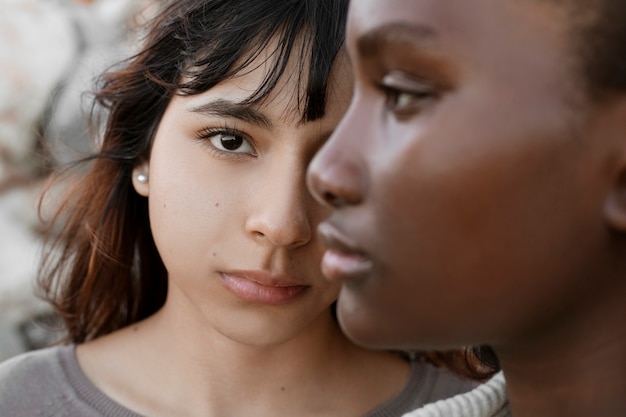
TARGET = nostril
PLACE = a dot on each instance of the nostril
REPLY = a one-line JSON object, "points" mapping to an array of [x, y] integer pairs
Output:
{"points": [[329, 197], [335, 200]]}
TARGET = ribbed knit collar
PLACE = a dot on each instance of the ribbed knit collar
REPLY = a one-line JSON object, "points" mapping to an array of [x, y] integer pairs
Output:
{"points": [[486, 400]]}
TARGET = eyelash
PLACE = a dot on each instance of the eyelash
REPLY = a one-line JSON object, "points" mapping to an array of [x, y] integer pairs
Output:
{"points": [[204, 136], [418, 95]]}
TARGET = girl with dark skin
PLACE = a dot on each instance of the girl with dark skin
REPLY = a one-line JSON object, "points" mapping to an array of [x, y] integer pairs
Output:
{"points": [[186, 264], [479, 186]]}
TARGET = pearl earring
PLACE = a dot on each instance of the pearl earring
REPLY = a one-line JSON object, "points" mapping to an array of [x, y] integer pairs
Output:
{"points": [[142, 178]]}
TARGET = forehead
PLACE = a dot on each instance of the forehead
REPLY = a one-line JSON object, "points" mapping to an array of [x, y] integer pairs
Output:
{"points": [[461, 24]]}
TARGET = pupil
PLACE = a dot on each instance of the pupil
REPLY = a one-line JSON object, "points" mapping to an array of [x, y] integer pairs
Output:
{"points": [[231, 142]]}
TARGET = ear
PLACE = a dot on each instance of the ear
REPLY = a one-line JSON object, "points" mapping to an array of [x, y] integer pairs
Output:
{"points": [[615, 202], [141, 179]]}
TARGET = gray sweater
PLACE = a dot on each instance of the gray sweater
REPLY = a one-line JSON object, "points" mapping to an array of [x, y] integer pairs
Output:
{"points": [[50, 383]]}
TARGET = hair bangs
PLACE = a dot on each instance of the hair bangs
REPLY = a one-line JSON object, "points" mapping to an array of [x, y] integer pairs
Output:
{"points": [[295, 31]]}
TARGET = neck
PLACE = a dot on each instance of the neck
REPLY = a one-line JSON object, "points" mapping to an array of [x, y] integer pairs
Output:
{"points": [[575, 367], [215, 356], [211, 373]]}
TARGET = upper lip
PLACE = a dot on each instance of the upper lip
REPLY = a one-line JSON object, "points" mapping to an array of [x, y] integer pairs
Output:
{"points": [[334, 239], [266, 278]]}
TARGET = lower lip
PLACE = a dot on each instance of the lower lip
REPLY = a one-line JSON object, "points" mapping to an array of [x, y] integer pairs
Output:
{"points": [[338, 266], [255, 292]]}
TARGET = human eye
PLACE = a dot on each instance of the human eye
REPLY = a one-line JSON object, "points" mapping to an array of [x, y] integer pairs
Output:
{"points": [[406, 96], [226, 141]]}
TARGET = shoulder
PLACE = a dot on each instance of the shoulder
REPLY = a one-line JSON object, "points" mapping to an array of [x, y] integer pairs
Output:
{"points": [[33, 382], [426, 384], [436, 383], [30, 365], [50, 383]]}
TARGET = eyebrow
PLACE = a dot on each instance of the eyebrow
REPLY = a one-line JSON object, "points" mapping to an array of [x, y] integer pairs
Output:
{"points": [[227, 108], [375, 41]]}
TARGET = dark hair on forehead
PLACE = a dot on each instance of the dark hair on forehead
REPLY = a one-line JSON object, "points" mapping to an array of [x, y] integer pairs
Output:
{"points": [[211, 41]]}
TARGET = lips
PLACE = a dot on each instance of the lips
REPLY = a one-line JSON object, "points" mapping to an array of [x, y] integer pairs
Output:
{"points": [[342, 261], [262, 288]]}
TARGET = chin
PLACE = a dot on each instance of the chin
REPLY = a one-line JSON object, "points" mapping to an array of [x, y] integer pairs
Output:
{"points": [[365, 332], [373, 330]]}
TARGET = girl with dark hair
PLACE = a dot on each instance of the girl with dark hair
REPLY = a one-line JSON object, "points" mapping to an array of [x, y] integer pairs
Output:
{"points": [[186, 268]]}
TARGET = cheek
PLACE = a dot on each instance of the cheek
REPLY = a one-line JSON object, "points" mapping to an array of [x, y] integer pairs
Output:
{"points": [[174, 226], [458, 186], [463, 230], [190, 213]]}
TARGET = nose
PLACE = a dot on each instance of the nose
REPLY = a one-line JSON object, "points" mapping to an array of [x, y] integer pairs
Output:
{"points": [[336, 176], [281, 215]]}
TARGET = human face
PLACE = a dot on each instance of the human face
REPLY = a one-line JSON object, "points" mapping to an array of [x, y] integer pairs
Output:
{"points": [[466, 175], [230, 213]]}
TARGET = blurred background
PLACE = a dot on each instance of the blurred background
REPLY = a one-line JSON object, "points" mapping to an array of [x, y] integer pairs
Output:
{"points": [[50, 53]]}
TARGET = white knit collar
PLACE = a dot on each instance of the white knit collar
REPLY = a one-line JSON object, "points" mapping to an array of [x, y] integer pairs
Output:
{"points": [[486, 400]]}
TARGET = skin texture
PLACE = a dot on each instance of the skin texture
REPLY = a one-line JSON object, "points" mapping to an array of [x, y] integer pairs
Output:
{"points": [[479, 198], [215, 212]]}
